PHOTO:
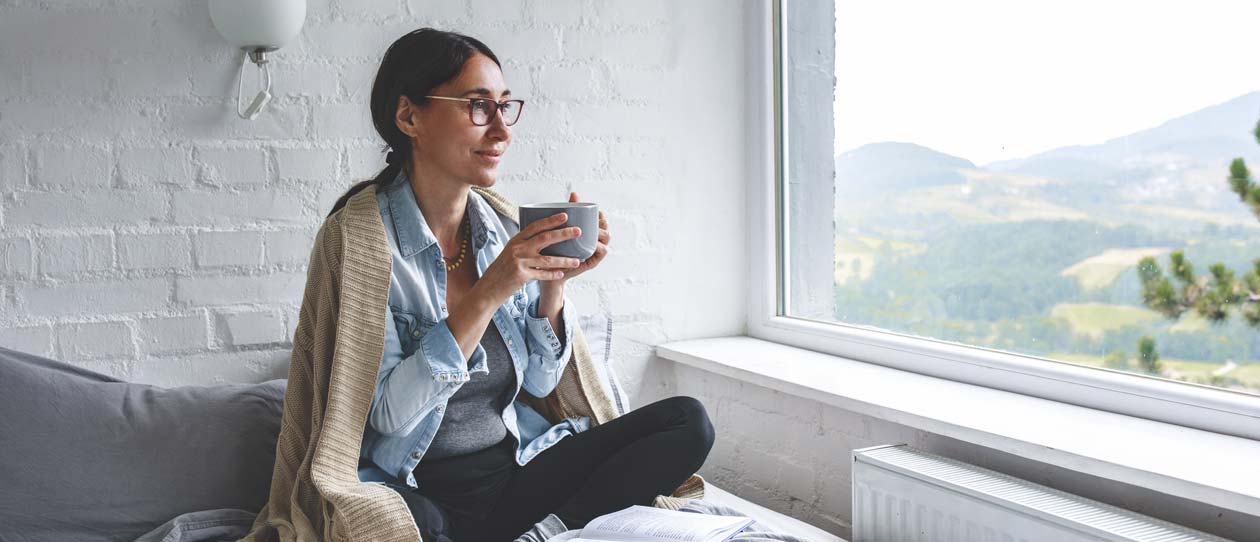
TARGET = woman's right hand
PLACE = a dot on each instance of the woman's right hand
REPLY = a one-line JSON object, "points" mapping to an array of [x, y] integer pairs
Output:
{"points": [[521, 261]]}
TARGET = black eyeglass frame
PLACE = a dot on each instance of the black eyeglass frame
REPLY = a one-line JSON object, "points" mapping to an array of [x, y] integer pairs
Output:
{"points": [[498, 106]]}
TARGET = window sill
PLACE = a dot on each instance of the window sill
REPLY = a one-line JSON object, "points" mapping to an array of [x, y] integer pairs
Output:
{"points": [[1163, 457]]}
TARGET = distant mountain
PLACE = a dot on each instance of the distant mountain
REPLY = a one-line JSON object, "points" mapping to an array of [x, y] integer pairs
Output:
{"points": [[1169, 176], [1212, 135], [883, 167]]}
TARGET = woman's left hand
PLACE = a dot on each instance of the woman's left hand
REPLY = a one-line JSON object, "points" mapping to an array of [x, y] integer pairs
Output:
{"points": [[601, 248]]}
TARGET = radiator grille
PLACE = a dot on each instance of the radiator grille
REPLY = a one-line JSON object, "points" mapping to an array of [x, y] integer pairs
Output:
{"points": [[903, 494]]}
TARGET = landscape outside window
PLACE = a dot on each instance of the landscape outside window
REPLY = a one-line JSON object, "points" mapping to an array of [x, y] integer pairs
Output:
{"points": [[1054, 180]]}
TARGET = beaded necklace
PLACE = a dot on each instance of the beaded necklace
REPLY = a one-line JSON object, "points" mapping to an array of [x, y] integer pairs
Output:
{"points": [[466, 227]]}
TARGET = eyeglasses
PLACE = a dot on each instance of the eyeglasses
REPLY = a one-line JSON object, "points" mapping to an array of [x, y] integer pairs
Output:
{"points": [[482, 110]]}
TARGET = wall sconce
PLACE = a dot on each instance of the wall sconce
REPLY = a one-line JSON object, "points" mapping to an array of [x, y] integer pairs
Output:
{"points": [[257, 27]]}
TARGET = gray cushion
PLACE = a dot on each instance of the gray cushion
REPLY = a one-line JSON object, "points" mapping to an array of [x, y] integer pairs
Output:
{"points": [[84, 456]]}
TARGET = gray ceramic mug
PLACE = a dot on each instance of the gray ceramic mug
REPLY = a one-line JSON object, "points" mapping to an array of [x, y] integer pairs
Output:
{"points": [[582, 214]]}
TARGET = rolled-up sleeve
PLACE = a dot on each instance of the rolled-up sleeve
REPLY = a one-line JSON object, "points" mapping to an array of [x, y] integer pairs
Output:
{"points": [[440, 351], [548, 352], [408, 389]]}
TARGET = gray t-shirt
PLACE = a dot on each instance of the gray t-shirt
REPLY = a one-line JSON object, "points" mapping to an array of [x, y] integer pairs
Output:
{"points": [[474, 413]]}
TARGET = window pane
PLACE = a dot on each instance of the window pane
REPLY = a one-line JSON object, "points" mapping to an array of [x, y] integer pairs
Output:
{"points": [[994, 174]]}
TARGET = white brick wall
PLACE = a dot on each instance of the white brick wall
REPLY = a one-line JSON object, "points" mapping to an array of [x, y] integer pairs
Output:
{"points": [[251, 328], [148, 232], [75, 253], [132, 198]]}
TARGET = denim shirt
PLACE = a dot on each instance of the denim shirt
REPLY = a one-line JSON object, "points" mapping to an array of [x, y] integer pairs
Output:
{"points": [[423, 366]]}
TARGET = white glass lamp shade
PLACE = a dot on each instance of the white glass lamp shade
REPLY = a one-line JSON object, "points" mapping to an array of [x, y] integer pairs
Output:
{"points": [[258, 24]]}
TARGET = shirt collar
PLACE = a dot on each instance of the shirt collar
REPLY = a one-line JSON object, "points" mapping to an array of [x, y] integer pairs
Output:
{"points": [[413, 232]]}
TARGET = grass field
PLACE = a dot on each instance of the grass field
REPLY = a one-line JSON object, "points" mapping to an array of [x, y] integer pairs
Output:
{"points": [[1095, 319], [961, 202], [1003, 179], [1238, 217], [1100, 271], [855, 255], [1189, 323]]}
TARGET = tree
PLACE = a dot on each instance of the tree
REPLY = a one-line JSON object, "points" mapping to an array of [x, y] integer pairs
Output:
{"points": [[1211, 296], [1148, 358]]}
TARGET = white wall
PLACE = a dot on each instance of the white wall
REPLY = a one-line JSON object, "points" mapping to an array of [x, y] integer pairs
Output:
{"points": [[149, 233]]}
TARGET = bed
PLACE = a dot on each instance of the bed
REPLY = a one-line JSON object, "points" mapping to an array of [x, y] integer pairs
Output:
{"points": [[89, 457]]}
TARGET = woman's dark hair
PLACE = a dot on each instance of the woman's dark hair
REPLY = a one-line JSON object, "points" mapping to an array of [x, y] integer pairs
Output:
{"points": [[413, 66]]}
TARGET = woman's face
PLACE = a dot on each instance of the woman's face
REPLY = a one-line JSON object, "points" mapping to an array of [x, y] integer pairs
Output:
{"points": [[446, 143]]}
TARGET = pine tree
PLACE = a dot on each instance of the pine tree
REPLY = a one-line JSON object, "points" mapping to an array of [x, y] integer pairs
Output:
{"points": [[1214, 295]]}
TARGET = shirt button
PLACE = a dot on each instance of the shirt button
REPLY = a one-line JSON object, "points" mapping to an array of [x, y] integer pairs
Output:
{"points": [[415, 333], [415, 455]]}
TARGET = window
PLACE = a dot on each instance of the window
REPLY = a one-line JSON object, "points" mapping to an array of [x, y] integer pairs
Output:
{"points": [[978, 184]]}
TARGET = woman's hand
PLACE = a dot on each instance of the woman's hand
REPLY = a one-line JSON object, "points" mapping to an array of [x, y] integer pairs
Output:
{"points": [[601, 248], [520, 261]]}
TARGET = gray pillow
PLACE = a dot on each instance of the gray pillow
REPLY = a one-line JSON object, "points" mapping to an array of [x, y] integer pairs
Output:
{"points": [[85, 457]]}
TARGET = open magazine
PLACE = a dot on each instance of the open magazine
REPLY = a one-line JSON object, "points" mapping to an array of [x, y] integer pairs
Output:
{"points": [[645, 524]]}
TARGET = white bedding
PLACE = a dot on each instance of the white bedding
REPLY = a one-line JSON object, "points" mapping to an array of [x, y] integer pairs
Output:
{"points": [[771, 520], [767, 520]]}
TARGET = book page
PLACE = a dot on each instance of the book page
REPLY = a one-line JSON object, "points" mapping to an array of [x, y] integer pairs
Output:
{"points": [[644, 523]]}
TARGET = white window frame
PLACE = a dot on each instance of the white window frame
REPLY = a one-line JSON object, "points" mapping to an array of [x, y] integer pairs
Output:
{"points": [[1189, 405]]}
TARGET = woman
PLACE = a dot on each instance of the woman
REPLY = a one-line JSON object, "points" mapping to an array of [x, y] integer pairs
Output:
{"points": [[475, 314]]}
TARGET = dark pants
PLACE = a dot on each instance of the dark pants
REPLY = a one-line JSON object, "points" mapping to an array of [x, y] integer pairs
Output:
{"points": [[486, 496]]}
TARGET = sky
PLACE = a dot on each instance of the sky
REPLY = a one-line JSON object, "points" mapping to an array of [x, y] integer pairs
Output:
{"points": [[991, 80]]}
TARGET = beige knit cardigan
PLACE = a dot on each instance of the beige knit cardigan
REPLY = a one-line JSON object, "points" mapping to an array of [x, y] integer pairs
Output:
{"points": [[315, 490]]}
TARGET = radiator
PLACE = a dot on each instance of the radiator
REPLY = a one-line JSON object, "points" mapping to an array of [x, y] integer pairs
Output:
{"points": [[902, 494]]}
